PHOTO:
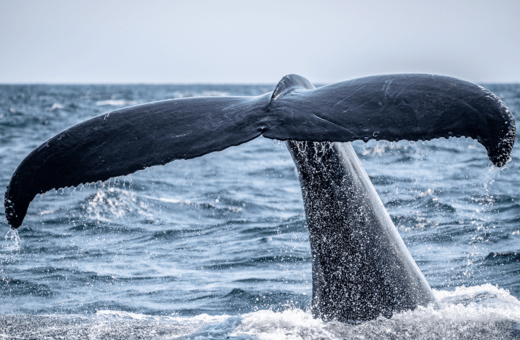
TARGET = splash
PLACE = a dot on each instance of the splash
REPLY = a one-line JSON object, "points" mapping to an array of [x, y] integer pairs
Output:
{"points": [[13, 240], [113, 203], [479, 312]]}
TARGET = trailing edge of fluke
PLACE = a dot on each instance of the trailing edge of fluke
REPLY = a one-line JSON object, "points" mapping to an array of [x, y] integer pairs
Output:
{"points": [[387, 107]]}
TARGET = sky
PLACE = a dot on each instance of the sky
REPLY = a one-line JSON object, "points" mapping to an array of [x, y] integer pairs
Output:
{"points": [[228, 41]]}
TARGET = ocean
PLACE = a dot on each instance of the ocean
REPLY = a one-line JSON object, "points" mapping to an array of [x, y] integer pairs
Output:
{"points": [[217, 247]]}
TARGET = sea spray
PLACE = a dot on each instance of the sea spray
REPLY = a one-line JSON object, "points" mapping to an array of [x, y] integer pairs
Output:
{"points": [[13, 240]]}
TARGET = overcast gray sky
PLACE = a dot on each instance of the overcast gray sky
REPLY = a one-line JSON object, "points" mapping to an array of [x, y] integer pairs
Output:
{"points": [[228, 41]]}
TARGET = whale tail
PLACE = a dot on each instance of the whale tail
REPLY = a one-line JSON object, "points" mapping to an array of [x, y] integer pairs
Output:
{"points": [[390, 107]]}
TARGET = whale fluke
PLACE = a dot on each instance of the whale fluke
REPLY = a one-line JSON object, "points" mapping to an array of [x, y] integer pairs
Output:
{"points": [[389, 107], [361, 267]]}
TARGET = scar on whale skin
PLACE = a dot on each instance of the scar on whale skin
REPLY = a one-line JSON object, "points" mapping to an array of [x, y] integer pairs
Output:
{"points": [[361, 268]]}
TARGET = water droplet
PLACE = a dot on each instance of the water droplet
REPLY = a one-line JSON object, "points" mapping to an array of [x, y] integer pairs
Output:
{"points": [[12, 235]]}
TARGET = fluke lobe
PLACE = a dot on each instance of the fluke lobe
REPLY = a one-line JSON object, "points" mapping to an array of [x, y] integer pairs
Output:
{"points": [[361, 267]]}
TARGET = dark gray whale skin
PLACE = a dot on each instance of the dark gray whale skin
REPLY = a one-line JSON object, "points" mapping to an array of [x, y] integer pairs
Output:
{"points": [[361, 267]]}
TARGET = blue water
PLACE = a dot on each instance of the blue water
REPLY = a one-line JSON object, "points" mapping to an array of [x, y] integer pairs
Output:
{"points": [[217, 247]]}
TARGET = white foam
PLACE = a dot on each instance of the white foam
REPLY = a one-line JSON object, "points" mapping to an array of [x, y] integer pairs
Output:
{"points": [[56, 106], [116, 102], [289, 324], [214, 94], [480, 312]]}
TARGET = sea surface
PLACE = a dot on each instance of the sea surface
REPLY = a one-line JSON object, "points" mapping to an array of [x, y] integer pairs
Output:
{"points": [[217, 247]]}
